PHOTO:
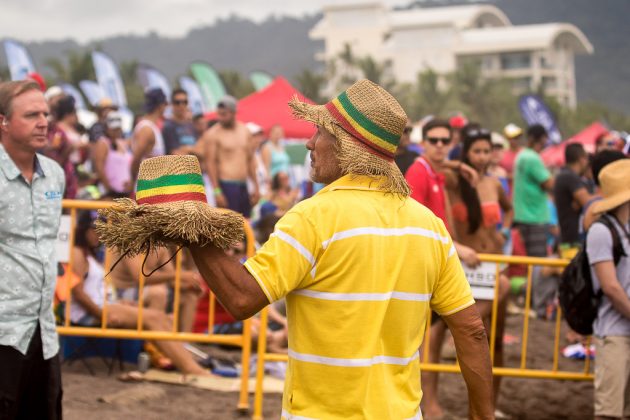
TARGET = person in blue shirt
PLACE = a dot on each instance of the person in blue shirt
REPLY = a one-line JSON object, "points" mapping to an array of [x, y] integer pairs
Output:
{"points": [[32, 187]]}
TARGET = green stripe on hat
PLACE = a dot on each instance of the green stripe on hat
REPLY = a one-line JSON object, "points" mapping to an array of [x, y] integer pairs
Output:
{"points": [[169, 181], [364, 122]]}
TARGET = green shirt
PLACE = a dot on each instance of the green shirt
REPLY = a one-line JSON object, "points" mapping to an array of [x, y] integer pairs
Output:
{"points": [[530, 199], [29, 221]]}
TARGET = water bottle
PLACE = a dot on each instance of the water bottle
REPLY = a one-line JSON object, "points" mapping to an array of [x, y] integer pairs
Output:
{"points": [[144, 362]]}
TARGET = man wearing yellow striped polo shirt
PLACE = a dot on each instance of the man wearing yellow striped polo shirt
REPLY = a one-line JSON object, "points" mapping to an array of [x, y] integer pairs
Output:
{"points": [[361, 264]]}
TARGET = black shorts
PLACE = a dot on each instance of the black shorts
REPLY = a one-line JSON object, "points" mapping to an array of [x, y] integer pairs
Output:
{"points": [[30, 387]]}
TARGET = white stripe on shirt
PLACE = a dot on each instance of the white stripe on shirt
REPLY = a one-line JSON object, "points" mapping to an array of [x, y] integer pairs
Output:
{"points": [[415, 297], [297, 246], [416, 231], [337, 361]]}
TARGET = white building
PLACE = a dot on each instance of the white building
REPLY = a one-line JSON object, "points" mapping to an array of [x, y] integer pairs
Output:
{"points": [[411, 41]]}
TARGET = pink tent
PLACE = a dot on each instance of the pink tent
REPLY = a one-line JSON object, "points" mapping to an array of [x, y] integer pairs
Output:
{"points": [[554, 155], [268, 107]]}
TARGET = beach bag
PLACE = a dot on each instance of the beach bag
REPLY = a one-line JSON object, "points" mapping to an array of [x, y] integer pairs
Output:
{"points": [[578, 300]]}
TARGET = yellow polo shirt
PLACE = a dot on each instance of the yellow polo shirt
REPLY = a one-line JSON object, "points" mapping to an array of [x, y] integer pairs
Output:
{"points": [[360, 270]]}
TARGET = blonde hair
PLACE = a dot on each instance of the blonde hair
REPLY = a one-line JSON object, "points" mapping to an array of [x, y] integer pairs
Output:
{"points": [[11, 90]]}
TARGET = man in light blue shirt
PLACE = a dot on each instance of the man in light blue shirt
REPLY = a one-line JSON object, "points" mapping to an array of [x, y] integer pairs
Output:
{"points": [[31, 188]]}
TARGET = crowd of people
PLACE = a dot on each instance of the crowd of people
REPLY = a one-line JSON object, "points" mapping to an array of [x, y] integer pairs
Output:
{"points": [[492, 192]]}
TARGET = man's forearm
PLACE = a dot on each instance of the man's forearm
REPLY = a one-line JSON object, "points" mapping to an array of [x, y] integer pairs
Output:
{"points": [[473, 354], [235, 288]]}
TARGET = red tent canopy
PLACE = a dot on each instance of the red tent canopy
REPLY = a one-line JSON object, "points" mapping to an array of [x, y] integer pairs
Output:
{"points": [[554, 155], [268, 107]]}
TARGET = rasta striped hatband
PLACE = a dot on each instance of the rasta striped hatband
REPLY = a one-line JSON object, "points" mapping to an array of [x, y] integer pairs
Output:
{"points": [[367, 122], [170, 189], [170, 208]]}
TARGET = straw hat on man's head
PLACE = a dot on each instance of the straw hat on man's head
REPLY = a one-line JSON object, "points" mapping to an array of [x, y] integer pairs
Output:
{"points": [[170, 208], [615, 187], [367, 122]]}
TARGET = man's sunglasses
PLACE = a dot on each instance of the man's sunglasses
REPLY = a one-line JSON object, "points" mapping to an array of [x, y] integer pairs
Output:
{"points": [[181, 102], [435, 140]]}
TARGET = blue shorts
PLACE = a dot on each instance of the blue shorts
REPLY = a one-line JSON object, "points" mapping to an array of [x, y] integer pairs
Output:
{"points": [[235, 192]]}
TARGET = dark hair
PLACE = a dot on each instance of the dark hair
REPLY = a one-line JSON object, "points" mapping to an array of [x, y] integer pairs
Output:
{"points": [[573, 152], [472, 133], [178, 91], [265, 227], [197, 116], [603, 158], [435, 123], [85, 221], [66, 106], [275, 181], [535, 133]]}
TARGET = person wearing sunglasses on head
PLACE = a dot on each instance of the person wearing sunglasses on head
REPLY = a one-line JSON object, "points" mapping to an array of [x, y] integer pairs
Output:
{"points": [[179, 132], [428, 177], [477, 213]]}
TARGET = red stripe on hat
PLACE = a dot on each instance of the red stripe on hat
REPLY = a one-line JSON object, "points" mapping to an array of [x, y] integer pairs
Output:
{"points": [[372, 148], [171, 198]]}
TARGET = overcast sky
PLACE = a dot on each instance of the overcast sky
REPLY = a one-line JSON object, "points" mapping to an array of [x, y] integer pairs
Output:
{"points": [[86, 20]]}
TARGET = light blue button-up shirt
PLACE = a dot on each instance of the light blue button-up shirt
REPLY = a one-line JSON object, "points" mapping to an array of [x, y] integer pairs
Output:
{"points": [[29, 222]]}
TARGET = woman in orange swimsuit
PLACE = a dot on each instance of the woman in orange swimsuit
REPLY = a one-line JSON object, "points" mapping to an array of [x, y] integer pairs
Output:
{"points": [[482, 216]]}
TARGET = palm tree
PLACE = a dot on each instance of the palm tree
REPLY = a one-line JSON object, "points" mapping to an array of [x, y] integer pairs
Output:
{"points": [[311, 84], [236, 84]]}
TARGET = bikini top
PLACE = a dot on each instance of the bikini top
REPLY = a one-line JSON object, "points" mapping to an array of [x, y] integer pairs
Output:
{"points": [[490, 211]]}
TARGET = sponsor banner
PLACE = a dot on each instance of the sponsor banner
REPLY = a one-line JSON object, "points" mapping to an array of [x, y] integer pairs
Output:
{"points": [[260, 79], [195, 97], [19, 60], [108, 78], [212, 87], [534, 111], [92, 91], [482, 280], [62, 246], [150, 77]]}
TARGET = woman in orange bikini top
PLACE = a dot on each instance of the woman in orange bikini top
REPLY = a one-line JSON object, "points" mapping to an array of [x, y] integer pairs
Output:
{"points": [[481, 213], [479, 222]]}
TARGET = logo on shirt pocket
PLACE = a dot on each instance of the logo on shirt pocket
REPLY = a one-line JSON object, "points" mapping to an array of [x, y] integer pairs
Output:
{"points": [[53, 195]]}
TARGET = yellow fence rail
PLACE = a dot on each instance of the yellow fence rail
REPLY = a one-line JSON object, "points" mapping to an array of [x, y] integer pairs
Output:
{"points": [[521, 372], [240, 340]]}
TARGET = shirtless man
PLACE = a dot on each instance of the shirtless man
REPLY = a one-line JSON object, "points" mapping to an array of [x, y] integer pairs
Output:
{"points": [[228, 152], [125, 279]]}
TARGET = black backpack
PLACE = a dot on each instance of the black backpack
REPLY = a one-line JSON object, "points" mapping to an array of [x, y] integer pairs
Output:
{"points": [[578, 300]]}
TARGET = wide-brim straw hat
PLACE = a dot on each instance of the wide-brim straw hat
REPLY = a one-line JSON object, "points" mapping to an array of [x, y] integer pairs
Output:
{"points": [[615, 187], [368, 123], [170, 208]]}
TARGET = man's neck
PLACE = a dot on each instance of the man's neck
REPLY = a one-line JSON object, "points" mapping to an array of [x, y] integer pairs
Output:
{"points": [[435, 165], [155, 117], [23, 159], [179, 119], [575, 169]]}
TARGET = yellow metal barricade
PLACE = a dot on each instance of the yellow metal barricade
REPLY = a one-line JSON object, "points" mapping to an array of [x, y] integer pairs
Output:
{"points": [[240, 340], [521, 372]]}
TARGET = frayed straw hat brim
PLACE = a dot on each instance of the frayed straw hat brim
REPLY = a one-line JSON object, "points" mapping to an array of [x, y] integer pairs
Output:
{"points": [[135, 229]]}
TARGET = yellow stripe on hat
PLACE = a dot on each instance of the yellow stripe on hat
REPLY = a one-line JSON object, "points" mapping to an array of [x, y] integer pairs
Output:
{"points": [[371, 137], [176, 189]]}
